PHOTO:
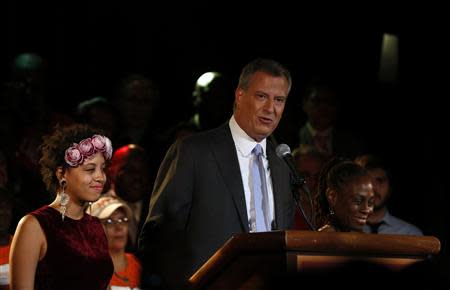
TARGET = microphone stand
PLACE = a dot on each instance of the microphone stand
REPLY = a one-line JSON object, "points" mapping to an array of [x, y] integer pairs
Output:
{"points": [[300, 184]]}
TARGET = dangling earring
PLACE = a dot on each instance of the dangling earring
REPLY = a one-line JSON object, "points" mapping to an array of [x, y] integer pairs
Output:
{"points": [[64, 199], [90, 207]]}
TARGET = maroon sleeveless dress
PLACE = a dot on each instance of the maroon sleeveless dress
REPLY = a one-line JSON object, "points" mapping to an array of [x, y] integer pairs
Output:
{"points": [[77, 253]]}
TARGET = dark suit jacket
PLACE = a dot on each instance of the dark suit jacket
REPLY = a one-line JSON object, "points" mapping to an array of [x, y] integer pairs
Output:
{"points": [[198, 203]]}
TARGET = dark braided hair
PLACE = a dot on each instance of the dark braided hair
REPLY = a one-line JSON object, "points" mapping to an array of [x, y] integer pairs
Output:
{"points": [[335, 174]]}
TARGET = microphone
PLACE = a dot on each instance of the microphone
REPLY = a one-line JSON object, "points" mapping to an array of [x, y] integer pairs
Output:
{"points": [[284, 152]]}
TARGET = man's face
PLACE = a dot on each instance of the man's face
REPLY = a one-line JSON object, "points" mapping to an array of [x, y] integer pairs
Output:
{"points": [[259, 108], [321, 109], [381, 187]]}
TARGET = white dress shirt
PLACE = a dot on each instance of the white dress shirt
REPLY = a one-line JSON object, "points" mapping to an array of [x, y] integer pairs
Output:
{"points": [[244, 146]]}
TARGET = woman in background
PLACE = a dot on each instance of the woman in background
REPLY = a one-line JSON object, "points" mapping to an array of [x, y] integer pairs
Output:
{"points": [[345, 197], [115, 216]]}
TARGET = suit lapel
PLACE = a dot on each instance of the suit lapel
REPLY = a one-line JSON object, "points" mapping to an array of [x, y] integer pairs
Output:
{"points": [[278, 186], [224, 151]]}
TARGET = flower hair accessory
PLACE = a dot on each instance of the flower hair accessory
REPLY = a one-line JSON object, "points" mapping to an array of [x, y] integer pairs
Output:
{"points": [[77, 153]]}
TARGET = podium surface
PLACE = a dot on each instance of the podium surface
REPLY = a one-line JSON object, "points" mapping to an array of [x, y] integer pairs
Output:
{"points": [[246, 261]]}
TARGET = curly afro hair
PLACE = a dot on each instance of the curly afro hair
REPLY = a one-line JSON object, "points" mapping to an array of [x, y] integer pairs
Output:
{"points": [[53, 150]]}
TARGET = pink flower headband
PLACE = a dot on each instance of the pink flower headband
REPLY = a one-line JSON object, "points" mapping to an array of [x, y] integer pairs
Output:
{"points": [[77, 153]]}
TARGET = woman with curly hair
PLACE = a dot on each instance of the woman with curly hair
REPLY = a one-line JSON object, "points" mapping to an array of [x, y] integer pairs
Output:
{"points": [[345, 197], [59, 246]]}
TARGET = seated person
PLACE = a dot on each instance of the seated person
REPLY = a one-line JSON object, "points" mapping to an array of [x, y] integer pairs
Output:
{"points": [[115, 216], [345, 197], [381, 221]]}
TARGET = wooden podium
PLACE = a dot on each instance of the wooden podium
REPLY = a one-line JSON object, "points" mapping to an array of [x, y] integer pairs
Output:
{"points": [[247, 261]]}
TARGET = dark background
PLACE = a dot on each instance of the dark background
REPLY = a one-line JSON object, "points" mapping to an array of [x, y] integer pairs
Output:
{"points": [[91, 46]]}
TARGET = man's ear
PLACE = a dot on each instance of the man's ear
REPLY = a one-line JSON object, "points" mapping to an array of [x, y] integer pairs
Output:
{"points": [[238, 96]]}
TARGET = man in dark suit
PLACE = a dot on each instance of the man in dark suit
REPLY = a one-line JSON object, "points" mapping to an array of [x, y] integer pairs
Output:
{"points": [[203, 193]]}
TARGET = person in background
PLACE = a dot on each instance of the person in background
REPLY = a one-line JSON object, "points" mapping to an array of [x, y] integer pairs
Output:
{"points": [[32, 114], [345, 198], [137, 98], [129, 181], [58, 246], [309, 163], [381, 221], [322, 129], [115, 216], [220, 182], [212, 100], [101, 114]]}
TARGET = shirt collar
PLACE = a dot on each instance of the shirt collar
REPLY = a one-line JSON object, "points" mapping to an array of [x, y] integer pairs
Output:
{"points": [[387, 219], [244, 143]]}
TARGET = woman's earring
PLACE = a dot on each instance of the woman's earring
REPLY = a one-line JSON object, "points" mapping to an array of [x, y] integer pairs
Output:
{"points": [[64, 198]]}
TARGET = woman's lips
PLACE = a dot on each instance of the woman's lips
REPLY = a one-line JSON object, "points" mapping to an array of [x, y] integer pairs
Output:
{"points": [[361, 220]]}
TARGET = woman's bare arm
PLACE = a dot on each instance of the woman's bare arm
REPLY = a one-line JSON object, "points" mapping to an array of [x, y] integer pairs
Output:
{"points": [[27, 248]]}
